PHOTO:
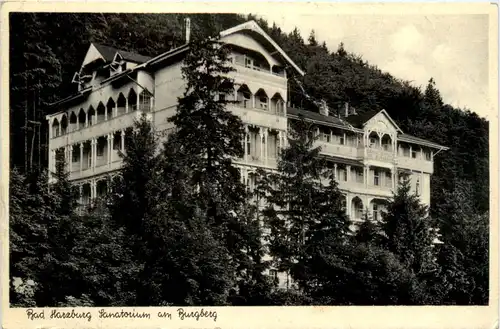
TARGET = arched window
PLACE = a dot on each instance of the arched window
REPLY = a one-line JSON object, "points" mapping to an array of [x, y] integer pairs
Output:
{"points": [[373, 140], [278, 104], [55, 128], [244, 96], [261, 100], [121, 104], [109, 108], [64, 124], [73, 124], [357, 208], [82, 119], [387, 142], [132, 100], [101, 110], [91, 116]]}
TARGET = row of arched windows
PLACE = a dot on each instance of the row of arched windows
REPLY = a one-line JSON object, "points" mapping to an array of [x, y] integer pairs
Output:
{"points": [[103, 112], [260, 100]]}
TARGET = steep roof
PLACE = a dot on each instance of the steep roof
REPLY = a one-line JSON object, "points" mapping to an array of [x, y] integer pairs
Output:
{"points": [[313, 116], [254, 27], [108, 53], [358, 120], [412, 139]]}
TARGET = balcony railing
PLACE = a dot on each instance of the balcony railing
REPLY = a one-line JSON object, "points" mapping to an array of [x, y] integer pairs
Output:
{"points": [[99, 129], [337, 149], [379, 154], [418, 164]]}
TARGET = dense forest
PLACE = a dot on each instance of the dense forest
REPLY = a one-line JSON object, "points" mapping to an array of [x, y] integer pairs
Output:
{"points": [[42, 64]]}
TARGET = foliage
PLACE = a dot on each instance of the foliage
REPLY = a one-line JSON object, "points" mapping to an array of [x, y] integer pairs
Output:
{"points": [[407, 230], [209, 136]]}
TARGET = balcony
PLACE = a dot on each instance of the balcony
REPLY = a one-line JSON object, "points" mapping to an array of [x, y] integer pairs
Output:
{"points": [[338, 150], [101, 167], [99, 129], [378, 154], [417, 164], [256, 73], [356, 187], [259, 117], [253, 160]]}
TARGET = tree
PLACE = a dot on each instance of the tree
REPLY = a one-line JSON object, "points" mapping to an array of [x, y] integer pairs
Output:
{"points": [[463, 256], [135, 199], [408, 230], [368, 231], [291, 196], [211, 135]]}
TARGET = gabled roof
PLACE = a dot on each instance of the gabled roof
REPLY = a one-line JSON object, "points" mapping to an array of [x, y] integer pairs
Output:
{"points": [[109, 53], [359, 120], [253, 26]]}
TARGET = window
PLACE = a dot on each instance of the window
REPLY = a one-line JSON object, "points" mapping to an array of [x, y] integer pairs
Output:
{"points": [[325, 136], [251, 182], [342, 140], [359, 209], [75, 155], [222, 97], [343, 175], [263, 103], [359, 175], [414, 154], [144, 101], [249, 144], [116, 143], [388, 179], [373, 141], [375, 212], [100, 149], [376, 178], [427, 155]]}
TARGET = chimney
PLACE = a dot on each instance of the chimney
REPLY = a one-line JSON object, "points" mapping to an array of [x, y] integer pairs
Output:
{"points": [[346, 106], [188, 29], [324, 108]]}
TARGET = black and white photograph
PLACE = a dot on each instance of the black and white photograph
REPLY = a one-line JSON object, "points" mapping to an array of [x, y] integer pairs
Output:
{"points": [[197, 159]]}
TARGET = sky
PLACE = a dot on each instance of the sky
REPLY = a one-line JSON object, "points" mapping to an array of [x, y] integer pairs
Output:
{"points": [[452, 49]]}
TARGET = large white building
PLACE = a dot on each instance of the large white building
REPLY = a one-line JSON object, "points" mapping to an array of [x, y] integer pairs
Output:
{"points": [[115, 87]]}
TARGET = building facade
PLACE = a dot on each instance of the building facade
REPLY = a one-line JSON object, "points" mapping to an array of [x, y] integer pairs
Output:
{"points": [[115, 87]]}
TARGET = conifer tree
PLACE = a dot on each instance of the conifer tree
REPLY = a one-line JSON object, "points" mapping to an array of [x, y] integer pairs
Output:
{"points": [[408, 231], [291, 196], [209, 135], [133, 203], [368, 231]]}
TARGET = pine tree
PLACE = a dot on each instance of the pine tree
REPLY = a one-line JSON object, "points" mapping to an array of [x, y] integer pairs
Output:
{"points": [[463, 256], [210, 135], [368, 231], [135, 198], [408, 231], [291, 195]]}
